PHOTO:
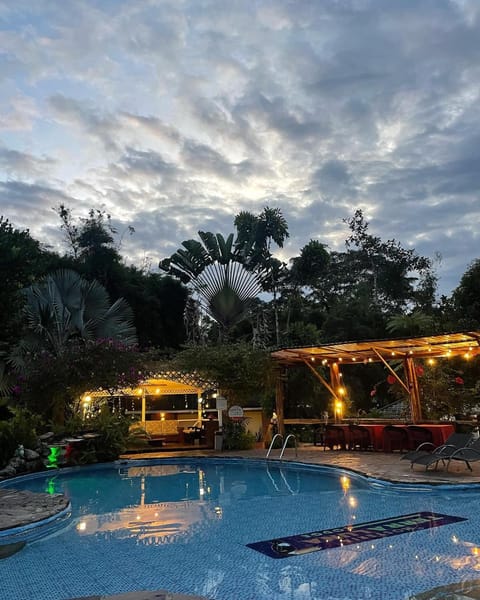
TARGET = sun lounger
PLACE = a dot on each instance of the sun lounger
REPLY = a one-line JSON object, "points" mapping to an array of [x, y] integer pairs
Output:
{"points": [[427, 454], [470, 453]]}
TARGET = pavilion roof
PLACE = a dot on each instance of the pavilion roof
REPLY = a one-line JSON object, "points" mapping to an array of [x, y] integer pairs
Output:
{"points": [[433, 346], [163, 383]]}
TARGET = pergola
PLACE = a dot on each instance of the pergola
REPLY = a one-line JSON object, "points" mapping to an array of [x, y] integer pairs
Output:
{"points": [[333, 356], [162, 383]]}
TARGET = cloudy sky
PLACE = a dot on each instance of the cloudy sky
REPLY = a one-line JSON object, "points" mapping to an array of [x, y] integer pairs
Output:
{"points": [[174, 115]]}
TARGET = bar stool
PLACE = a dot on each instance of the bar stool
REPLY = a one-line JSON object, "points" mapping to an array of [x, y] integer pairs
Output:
{"points": [[395, 438], [334, 436]]}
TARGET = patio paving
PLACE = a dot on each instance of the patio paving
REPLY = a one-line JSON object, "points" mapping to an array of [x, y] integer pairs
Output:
{"points": [[379, 465]]}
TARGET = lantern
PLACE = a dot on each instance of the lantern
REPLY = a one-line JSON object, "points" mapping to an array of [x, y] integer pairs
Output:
{"points": [[391, 379]]}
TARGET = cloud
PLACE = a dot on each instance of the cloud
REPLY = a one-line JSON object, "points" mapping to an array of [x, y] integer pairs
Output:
{"points": [[21, 163], [176, 116]]}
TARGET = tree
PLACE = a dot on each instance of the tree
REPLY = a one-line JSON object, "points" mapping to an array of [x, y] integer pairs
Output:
{"points": [[243, 373], [63, 313], [92, 244], [158, 303], [391, 271], [466, 297], [306, 272], [415, 323], [214, 270], [255, 235], [22, 260]]}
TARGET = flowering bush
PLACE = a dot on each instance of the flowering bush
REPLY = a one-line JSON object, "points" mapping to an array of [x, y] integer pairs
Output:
{"points": [[52, 383]]}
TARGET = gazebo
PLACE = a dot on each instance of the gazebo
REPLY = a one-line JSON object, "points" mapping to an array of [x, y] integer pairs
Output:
{"points": [[333, 356], [159, 384]]}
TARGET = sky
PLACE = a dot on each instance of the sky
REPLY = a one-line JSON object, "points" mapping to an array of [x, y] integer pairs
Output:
{"points": [[175, 115]]}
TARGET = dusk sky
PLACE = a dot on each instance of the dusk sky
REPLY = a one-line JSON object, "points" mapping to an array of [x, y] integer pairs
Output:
{"points": [[173, 116]]}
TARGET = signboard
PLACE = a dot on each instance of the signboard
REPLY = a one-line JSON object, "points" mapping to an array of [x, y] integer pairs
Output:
{"points": [[235, 413], [351, 534], [221, 403]]}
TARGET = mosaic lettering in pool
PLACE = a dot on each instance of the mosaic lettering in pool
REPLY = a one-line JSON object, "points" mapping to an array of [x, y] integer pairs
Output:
{"points": [[314, 541]]}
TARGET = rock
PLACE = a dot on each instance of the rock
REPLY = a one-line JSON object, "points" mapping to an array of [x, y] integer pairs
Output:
{"points": [[30, 454], [18, 464], [8, 471]]}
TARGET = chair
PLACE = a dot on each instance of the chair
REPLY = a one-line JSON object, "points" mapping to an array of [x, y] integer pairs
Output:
{"points": [[470, 453], [319, 435], [395, 438], [359, 438], [334, 436], [418, 435], [427, 454]]}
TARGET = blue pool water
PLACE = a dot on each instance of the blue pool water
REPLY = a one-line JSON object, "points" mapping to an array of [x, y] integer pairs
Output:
{"points": [[183, 525]]}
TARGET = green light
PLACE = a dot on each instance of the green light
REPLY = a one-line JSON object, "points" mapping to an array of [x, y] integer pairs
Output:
{"points": [[50, 489], [52, 458]]}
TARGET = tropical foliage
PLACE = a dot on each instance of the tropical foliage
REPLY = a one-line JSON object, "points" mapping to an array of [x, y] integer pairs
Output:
{"points": [[72, 333], [67, 324], [214, 270]]}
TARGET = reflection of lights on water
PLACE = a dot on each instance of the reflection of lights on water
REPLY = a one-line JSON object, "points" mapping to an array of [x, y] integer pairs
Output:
{"points": [[202, 491], [81, 526], [218, 511], [454, 539], [437, 559], [345, 483], [50, 489], [138, 517], [475, 551], [352, 502]]}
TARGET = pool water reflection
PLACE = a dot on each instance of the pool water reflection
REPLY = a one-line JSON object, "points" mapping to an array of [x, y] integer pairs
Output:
{"points": [[184, 525]]}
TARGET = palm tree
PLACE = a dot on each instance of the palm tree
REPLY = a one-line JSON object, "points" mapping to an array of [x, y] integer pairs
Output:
{"points": [[214, 270], [64, 306], [416, 323], [253, 243]]}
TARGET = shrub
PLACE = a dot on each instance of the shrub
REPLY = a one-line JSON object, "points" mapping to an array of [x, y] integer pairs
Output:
{"points": [[236, 436], [112, 433], [25, 425], [8, 443]]}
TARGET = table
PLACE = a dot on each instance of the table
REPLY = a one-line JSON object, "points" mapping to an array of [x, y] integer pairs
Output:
{"points": [[440, 433]]}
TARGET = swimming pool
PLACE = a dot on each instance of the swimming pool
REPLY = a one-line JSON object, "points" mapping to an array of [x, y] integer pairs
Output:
{"points": [[184, 525]]}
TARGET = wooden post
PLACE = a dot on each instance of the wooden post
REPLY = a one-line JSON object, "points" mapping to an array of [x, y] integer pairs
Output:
{"points": [[144, 407], [413, 389], [280, 398], [337, 385]]}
